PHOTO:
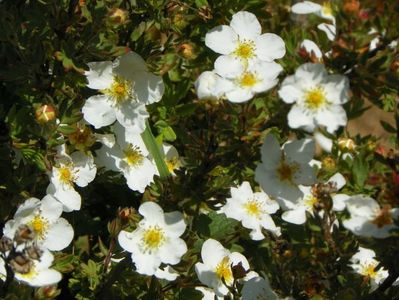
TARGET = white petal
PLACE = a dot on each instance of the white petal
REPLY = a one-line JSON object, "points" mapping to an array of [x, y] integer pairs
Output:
{"points": [[271, 152], [100, 75], [167, 273], [110, 158], [106, 139], [329, 29], [246, 25], [59, 236], [138, 178], [311, 47], [332, 117], [338, 179], [228, 66], [265, 85], [127, 241], [237, 258], [363, 206], [339, 201], [128, 64], [301, 151], [336, 88], [311, 74], [175, 224], [85, 168], [221, 39], [146, 263], [305, 7], [208, 277], [258, 288], [132, 115], [289, 93], [27, 208], [239, 95], [297, 216], [298, 117], [151, 212], [149, 88], [50, 208], [324, 142], [212, 252], [98, 112], [172, 251], [70, 198], [43, 278], [269, 46]]}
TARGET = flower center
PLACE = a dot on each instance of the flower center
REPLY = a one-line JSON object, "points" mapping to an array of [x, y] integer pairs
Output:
{"points": [[383, 217], [40, 226], [172, 164], [327, 9], [30, 274], [83, 138], [223, 270], [248, 80], [369, 270], [133, 155], [253, 208], [66, 174], [286, 172], [120, 90], [315, 98], [153, 238], [310, 201], [245, 50]]}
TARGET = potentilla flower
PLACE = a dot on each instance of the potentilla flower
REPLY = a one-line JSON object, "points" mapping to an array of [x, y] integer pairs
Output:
{"points": [[252, 210], [77, 168], [172, 159], [44, 218], [325, 11], [243, 43], [256, 78], [130, 156], [317, 98], [295, 213], [216, 269], [282, 170], [126, 86], [365, 264], [257, 288], [211, 86], [39, 273], [156, 240], [368, 219]]}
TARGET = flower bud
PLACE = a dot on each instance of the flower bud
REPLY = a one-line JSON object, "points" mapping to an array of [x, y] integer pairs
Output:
{"points": [[5, 244], [186, 50], [346, 145], [45, 113], [118, 16], [47, 292], [114, 227], [83, 138], [328, 164]]}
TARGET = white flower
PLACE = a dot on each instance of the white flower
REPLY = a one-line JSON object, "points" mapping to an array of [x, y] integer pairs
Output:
{"points": [[171, 158], [325, 11], [317, 98], [256, 78], [296, 212], [208, 294], [210, 85], [282, 170], [365, 264], [216, 266], [78, 169], [156, 240], [257, 288], [126, 87], [3, 271], [51, 231], [368, 219], [40, 273], [242, 43], [130, 156], [252, 209]]}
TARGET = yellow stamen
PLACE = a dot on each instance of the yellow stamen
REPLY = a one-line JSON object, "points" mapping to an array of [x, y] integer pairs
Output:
{"points": [[223, 270], [172, 164], [153, 238], [253, 208], [120, 90], [327, 9], [368, 270], [40, 226], [245, 50], [248, 80], [315, 98], [310, 201], [286, 172], [133, 155], [66, 174]]}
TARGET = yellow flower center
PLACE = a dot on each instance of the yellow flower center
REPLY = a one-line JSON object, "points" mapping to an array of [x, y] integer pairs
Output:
{"points": [[172, 164], [253, 207], [30, 274], [327, 9], [120, 90], [369, 270], [153, 238], [245, 50], [40, 226], [383, 217], [66, 174], [286, 172], [223, 271], [248, 80], [310, 201], [133, 155], [315, 98]]}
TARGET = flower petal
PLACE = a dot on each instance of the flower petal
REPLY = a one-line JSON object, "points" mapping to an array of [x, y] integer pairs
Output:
{"points": [[98, 112], [299, 117], [332, 117], [59, 235], [246, 25], [305, 7], [221, 39], [228, 66], [269, 46], [100, 75]]}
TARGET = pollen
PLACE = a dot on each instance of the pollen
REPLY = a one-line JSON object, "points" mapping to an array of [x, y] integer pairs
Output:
{"points": [[369, 270], [133, 155], [153, 238], [315, 98], [120, 90], [245, 50], [253, 208], [248, 80], [286, 172], [327, 9], [40, 226], [66, 174], [223, 270], [172, 164]]}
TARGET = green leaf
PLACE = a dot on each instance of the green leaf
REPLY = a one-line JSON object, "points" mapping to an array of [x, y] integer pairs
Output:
{"points": [[155, 152], [360, 170], [188, 293]]}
